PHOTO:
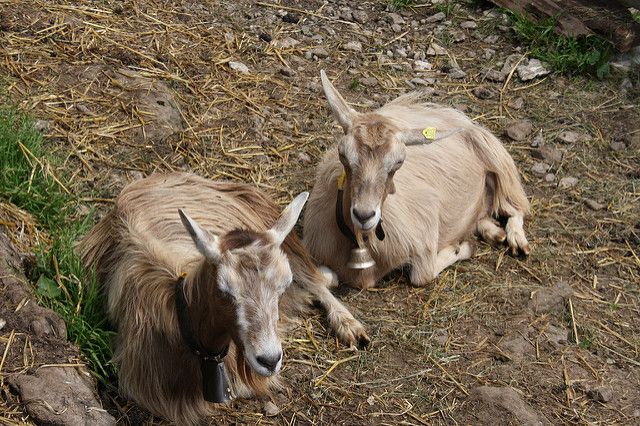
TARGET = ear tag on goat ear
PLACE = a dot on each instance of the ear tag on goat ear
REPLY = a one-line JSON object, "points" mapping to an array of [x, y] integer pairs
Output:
{"points": [[429, 133], [215, 386], [341, 179]]}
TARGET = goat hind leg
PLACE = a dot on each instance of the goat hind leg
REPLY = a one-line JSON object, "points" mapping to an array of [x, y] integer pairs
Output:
{"points": [[490, 230], [430, 267]]}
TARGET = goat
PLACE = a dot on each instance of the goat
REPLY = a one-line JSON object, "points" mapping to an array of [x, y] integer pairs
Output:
{"points": [[431, 196], [238, 258]]}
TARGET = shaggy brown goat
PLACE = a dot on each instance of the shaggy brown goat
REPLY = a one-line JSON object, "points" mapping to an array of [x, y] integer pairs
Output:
{"points": [[237, 259], [430, 196]]}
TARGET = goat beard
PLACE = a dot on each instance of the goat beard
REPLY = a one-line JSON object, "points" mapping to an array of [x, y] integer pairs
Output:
{"points": [[363, 238]]}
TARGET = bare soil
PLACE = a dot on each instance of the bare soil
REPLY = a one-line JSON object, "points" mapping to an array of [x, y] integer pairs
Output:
{"points": [[127, 88]]}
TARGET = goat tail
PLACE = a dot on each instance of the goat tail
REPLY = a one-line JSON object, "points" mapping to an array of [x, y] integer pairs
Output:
{"points": [[98, 245], [509, 197]]}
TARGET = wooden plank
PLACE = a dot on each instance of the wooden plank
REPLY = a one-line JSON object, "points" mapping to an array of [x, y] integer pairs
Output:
{"points": [[608, 18]]}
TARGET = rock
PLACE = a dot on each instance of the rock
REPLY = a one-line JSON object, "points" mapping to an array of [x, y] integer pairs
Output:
{"points": [[286, 71], [354, 46], [458, 36], [626, 85], [271, 409], [569, 136], [468, 25], [484, 92], [61, 396], [456, 73], [369, 81], [440, 16], [495, 75], [550, 299], [3, 322], [441, 336], [239, 66], [360, 16], [265, 37], [488, 53], [492, 39], [516, 103], [540, 169], [519, 130], [556, 336], [291, 18], [538, 141], [548, 153], [509, 63], [423, 82], [593, 204], [618, 146], [421, 65], [394, 18], [534, 68], [567, 182], [42, 126], [549, 177], [286, 43], [435, 50], [396, 28], [319, 52], [600, 394], [504, 403]]}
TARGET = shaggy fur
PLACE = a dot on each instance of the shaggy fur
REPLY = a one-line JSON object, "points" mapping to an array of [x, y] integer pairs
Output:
{"points": [[139, 250], [439, 193]]}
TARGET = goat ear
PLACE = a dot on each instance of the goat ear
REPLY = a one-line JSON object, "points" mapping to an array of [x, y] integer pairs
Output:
{"points": [[341, 110], [412, 137], [207, 244], [288, 218]]}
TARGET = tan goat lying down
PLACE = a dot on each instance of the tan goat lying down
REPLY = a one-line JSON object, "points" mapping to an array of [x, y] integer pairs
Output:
{"points": [[430, 196], [239, 259]]}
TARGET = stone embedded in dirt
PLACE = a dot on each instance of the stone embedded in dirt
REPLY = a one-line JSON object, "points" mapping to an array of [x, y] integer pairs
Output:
{"points": [[550, 299], [556, 336], [319, 52], [304, 158], [495, 75], [547, 153], [286, 43], [540, 169], [61, 396], [593, 204], [286, 71], [360, 16], [271, 409], [421, 65], [600, 394], [519, 130], [567, 182], [369, 81], [239, 66], [435, 50], [488, 53], [394, 18], [481, 92], [509, 63], [440, 16], [569, 136], [42, 126], [458, 36], [492, 39], [423, 82], [534, 68], [468, 25], [618, 146], [456, 73], [504, 403], [517, 347], [354, 46], [516, 103], [549, 177], [3, 322], [537, 141]]}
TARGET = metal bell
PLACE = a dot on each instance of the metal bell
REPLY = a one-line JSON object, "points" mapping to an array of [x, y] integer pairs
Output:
{"points": [[360, 259]]}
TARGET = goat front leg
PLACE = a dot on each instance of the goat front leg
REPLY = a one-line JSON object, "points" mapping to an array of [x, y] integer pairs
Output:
{"points": [[427, 268], [515, 235]]}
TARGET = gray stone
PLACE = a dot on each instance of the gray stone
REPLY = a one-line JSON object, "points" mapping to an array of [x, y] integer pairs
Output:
{"points": [[435, 50], [549, 177], [618, 146], [484, 92], [509, 63], [492, 39], [457, 73], [304, 158], [519, 130], [505, 399], [440, 16], [287, 72], [422, 81], [550, 299], [271, 409], [593, 204], [540, 169], [286, 43], [516, 103], [3, 322], [42, 126], [626, 85], [360, 16], [421, 66], [548, 153], [468, 25], [319, 52], [534, 68], [394, 18], [569, 136], [458, 36], [538, 141], [600, 394], [354, 46], [495, 75], [488, 53], [396, 28], [567, 182], [239, 66], [369, 81]]}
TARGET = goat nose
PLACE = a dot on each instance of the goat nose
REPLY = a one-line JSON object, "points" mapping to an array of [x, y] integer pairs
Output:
{"points": [[269, 362], [363, 216]]}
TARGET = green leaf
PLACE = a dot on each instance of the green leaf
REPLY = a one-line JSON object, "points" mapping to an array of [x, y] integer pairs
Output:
{"points": [[48, 287]]}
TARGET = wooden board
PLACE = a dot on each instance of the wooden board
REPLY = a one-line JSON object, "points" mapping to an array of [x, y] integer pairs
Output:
{"points": [[608, 18]]}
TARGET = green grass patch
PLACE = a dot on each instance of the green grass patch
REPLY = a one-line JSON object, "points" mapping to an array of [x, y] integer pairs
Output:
{"points": [[402, 4], [27, 180], [568, 55]]}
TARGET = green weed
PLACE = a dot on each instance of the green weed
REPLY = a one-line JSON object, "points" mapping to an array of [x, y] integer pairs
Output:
{"points": [[568, 55], [27, 180], [402, 4]]}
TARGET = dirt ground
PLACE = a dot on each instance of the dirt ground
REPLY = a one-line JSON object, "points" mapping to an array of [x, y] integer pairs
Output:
{"points": [[126, 88]]}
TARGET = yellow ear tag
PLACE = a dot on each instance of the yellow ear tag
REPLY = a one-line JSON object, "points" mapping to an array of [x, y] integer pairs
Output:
{"points": [[429, 133], [341, 180]]}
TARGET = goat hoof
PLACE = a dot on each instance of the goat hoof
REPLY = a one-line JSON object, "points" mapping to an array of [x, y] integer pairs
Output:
{"points": [[363, 342]]}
